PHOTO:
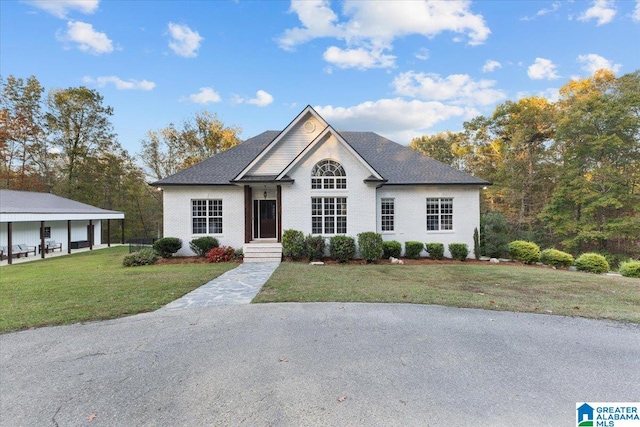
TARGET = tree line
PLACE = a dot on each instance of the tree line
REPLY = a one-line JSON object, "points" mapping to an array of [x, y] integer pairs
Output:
{"points": [[64, 143], [565, 174]]}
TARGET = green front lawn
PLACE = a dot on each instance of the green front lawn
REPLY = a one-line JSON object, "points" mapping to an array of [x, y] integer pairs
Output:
{"points": [[92, 286], [486, 286]]}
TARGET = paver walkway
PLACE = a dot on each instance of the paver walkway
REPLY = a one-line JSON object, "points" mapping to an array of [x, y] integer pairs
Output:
{"points": [[237, 286]]}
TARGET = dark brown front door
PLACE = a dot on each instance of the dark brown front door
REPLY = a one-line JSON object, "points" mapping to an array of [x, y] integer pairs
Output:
{"points": [[267, 218]]}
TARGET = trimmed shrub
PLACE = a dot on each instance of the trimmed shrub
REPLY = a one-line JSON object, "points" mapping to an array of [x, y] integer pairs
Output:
{"points": [[370, 245], [342, 248], [476, 243], [593, 263], [315, 247], [527, 252], [167, 246], [412, 249], [556, 258], [436, 250], [202, 245], [392, 248], [239, 253], [459, 251], [142, 257], [293, 244], [221, 254], [630, 269]]}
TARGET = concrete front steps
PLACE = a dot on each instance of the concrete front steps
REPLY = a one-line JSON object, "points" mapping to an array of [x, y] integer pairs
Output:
{"points": [[262, 252]]}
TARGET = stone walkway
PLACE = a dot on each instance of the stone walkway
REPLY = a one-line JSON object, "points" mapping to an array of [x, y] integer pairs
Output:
{"points": [[237, 286]]}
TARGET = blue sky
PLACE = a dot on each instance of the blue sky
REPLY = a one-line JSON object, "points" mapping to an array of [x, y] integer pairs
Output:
{"points": [[398, 68]]}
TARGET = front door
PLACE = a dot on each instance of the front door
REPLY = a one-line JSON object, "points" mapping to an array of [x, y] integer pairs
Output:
{"points": [[264, 220]]}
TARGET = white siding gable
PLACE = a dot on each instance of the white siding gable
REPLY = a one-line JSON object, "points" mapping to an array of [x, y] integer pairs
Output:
{"points": [[289, 146]]}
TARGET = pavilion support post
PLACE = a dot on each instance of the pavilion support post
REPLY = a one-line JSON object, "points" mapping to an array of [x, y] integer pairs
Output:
{"points": [[10, 242], [43, 249], [108, 233], [90, 236], [68, 236], [122, 226]]}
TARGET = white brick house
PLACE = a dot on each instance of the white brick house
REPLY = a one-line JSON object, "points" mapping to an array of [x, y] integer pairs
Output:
{"points": [[312, 178]]}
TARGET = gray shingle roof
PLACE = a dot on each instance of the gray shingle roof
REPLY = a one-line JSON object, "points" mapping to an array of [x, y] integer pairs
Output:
{"points": [[29, 202], [397, 164]]}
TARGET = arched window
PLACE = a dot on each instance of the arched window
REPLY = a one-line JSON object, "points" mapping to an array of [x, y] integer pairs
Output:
{"points": [[328, 175]]}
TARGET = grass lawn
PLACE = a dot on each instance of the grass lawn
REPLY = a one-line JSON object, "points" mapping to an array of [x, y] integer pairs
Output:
{"points": [[92, 286], [486, 286]]}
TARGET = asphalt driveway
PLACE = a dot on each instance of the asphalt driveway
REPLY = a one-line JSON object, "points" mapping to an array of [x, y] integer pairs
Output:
{"points": [[317, 364]]}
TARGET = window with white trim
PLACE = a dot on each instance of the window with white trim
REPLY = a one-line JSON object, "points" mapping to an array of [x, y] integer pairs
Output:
{"points": [[328, 175], [206, 216], [328, 215], [439, 214], [387, 214]]}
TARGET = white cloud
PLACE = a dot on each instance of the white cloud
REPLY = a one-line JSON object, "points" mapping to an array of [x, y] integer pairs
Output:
{"points": [[422, 54], [396, 118], [262, 99], [593, 62], [490, 65], [602, 11], [205, 96], [61, 8], [554, 6], [120, 84], [542, 69], [636, 12], [370, 28], [86, 38], [184, 41], [358, 58], [455, 88]]}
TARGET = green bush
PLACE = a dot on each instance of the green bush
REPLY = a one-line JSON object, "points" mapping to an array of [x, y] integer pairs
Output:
{"points": [[370, 245], [315, 247], [142, 257], [167, 246], [293, 244], [494, 235], [527, 252], [435, 250], [342, 248], [392, 248], [202, 245], [593, 263], [412, 249], [556, 258], [459, 251], [614, 260], [630, 269], [221, 254]]}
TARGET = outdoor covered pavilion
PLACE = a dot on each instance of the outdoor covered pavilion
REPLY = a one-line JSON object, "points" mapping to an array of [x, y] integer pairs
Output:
{"points": [[36, 219]]}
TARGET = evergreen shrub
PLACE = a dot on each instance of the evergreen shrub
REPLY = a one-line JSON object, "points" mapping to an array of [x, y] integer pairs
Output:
{"points": [[593, 263], [202, 245], [630, 269], [142, 257], [412, 249], [436, 250], [459, 251], [342, 248], [526, 252], [314, 247], [556, 258], [370, 245], [392, 248], [167, 246], [293, 244]]}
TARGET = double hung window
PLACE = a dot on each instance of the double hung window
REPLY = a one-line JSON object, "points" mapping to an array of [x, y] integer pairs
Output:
{"points": [[439, 214], [206, 216]]}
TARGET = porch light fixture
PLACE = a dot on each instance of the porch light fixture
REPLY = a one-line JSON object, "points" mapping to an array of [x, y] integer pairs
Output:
{"points": [[265, 193]]}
